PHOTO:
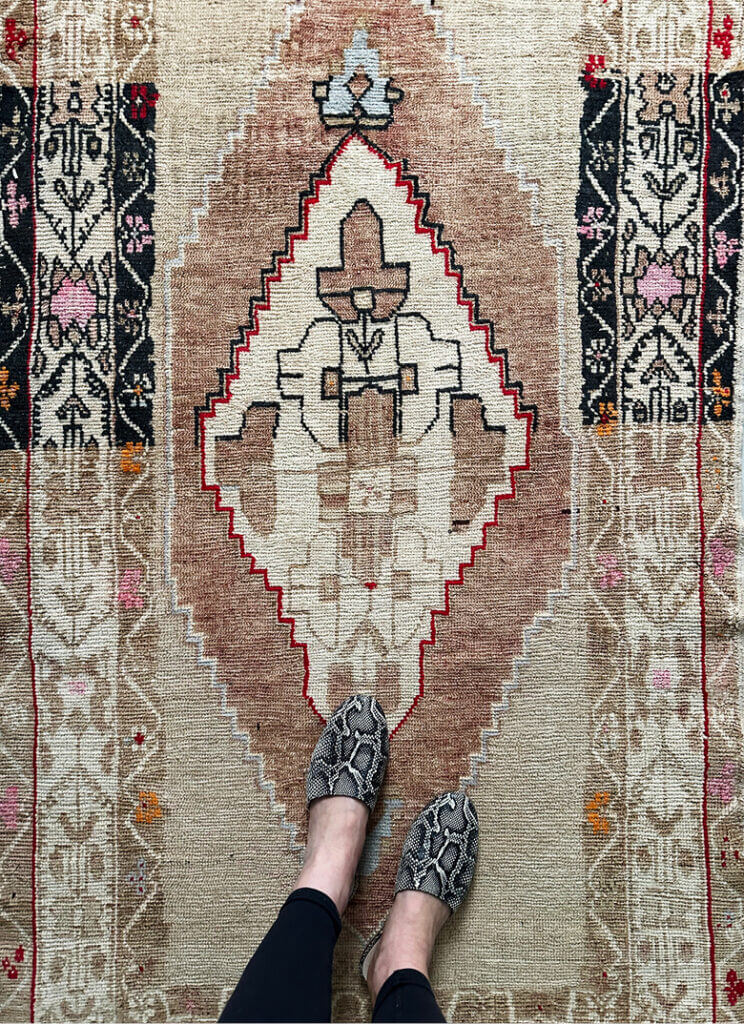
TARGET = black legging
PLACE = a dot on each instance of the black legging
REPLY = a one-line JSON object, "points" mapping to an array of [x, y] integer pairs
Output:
{"points": [[289, 976]]}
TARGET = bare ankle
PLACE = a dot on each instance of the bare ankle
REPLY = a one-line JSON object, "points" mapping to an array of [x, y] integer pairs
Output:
{"points": [[336, 831], [408, 938], [326, 878], [391, 956]]}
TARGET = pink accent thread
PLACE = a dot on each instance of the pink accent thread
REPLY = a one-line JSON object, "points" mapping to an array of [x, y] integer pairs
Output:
{"points": [[9, 808], [613, 574], [10, 562], [14, 204], [722, 556], [129, 585], [661, 679], [725, 248], [723, 786]]}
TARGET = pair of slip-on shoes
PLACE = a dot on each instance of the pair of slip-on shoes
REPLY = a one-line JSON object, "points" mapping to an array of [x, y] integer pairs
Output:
{"points": [[350, 759]]}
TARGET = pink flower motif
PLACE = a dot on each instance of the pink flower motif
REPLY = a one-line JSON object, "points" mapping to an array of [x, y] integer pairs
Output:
{"points": [[725, 247], [140, 233], [77, 686], [723, 786], [593, 224], [659, 282], [9, 807], [129, 585], [722, 556], [14, 204], [73, 301], [10, 562], [661, 679], [613, 574]]}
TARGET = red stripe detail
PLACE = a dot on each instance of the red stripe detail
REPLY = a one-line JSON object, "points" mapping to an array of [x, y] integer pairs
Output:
{"points": [[699, 473], [32, 663], [264, 304]]}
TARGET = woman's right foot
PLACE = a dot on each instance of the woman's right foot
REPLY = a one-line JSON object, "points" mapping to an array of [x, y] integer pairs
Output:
{"points": [[336, 831], [434, 875], [351, 756], [343, 783]]}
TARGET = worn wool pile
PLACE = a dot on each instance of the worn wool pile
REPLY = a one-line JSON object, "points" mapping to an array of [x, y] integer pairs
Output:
{"points": [[382, 345]]}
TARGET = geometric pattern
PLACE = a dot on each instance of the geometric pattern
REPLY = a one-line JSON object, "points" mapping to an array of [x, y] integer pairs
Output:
{"points": [[723, 194], [366, 407], [17, 263], [640, 359], [91, 373], [342, 460], [596, 215]]}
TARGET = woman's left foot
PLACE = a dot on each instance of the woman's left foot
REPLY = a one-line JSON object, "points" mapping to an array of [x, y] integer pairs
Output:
{"points": [[440, 850]]}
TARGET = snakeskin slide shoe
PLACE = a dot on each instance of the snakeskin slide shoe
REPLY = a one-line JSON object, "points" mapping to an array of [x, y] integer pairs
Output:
{"points": [[440, 850], [351, 755], [438, 856]]}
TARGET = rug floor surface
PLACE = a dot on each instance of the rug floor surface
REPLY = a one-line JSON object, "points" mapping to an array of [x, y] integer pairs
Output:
{"points": [[387, 346]]}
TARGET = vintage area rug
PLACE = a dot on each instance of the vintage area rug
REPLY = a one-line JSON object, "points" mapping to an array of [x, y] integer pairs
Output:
{"points": [[383, 345]]}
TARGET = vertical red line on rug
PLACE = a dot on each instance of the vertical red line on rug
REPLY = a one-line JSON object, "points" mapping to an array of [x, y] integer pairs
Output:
{"points": [[701, 513], [29, 446]]}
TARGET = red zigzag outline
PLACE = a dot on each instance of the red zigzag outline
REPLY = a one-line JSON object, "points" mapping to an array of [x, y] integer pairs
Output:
{"points": [[451, 270]]}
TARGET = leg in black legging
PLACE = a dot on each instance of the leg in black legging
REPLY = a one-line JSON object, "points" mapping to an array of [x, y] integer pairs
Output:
{"points": [[406, 998], [289, 975]]}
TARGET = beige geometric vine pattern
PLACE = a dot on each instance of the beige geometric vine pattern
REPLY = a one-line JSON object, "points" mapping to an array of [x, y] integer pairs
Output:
{"points": [[663, 575], [649, 638], [17, 756], [372, 504], [76, 934]]}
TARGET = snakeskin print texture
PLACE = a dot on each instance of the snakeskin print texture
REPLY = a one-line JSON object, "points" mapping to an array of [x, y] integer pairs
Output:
{"points": [[351, 755], [440, 850]]}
